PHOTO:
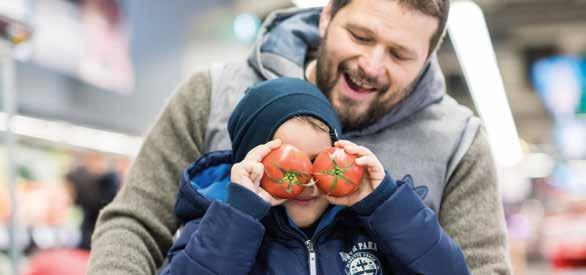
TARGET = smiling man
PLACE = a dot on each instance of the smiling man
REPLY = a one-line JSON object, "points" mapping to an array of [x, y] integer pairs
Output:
{"points": [[375, 61], [367, 63]]}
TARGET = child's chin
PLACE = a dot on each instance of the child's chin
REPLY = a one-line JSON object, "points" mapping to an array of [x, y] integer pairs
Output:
{"points": [[304, 223]]}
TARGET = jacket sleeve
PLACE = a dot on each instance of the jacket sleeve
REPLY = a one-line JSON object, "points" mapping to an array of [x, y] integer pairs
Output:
{"points": [[134, 232], [472, 211], [409, 233], [224, 241]]}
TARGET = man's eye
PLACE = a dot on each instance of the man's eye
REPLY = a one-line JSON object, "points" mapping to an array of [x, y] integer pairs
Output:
{"points": [[397, 55], [359, 38]]}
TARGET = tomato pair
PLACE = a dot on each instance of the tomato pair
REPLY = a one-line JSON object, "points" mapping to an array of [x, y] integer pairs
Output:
{"points": [[288, 171]]}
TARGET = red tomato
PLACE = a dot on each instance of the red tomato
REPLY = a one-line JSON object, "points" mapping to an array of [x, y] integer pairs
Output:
{"points": [[336, 173], [287, 171]]}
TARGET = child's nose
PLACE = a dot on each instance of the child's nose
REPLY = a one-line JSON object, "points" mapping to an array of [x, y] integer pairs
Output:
{"points": [[312, 189]]}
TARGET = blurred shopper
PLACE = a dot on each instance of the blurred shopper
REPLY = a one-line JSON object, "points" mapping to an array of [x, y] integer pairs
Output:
{"points": [[91, 193], [375, 61]]}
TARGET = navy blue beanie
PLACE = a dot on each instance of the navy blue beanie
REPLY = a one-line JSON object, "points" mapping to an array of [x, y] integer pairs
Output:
{"points": [[268, 104]]}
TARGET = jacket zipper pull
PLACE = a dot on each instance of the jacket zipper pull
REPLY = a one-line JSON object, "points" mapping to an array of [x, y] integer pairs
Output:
{"points": [[312, 267]]}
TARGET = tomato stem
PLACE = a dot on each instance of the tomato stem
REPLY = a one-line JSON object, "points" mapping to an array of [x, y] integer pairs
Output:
{"points": [[291, 177], [337, 172]]}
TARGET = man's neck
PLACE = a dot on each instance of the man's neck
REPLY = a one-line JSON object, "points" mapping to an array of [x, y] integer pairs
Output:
{"points": [[310, 71]]}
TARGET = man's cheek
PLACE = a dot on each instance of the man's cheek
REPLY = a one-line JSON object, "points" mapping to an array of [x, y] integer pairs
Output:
{"points": [[346, 50], [341, 47]]}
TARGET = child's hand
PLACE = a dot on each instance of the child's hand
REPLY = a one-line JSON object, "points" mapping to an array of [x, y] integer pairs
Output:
{"points": [[374, 175], [249, 171]]}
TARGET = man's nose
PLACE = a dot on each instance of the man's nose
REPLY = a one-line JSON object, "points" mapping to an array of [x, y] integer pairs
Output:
{"points": [[372, 62]]}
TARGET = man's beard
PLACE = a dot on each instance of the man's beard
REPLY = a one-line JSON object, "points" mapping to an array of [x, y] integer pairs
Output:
{"points": [[350, 118]]}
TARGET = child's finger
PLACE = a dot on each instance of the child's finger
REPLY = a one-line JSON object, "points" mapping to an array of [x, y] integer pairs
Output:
{"points": [[258, 153], [353, 148], [342, 142], [256, 172], [269, 198], [241, 175], [376, 171], [371, 162], [359, 150], [274, 144], [264, 195]]}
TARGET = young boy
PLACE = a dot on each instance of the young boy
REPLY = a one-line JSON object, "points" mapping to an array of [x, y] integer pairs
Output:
{"points": [[233, 226]]}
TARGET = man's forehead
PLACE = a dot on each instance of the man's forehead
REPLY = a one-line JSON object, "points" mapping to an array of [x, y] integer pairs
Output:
{"points": [[390, 21], [380, 33]]}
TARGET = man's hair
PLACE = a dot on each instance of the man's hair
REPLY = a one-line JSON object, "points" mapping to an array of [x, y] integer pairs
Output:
{"points": [[434, 8]]}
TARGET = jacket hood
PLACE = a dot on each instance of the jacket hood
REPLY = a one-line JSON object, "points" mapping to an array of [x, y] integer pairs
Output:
{"points": [[288, 36], [202, 182]]}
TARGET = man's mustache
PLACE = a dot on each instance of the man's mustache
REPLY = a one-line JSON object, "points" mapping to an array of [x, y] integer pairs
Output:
{"points": [[360, 74]]}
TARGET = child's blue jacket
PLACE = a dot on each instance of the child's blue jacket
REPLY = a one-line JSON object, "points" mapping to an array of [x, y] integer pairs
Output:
{"points": [[229, 230]]}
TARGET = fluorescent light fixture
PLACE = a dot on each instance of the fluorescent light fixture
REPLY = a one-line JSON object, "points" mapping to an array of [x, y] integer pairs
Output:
{"points": [[469, 35], [73, 135], [309, 3]]}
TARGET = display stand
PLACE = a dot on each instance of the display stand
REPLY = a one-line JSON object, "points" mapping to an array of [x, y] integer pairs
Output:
{"points": [[9, 108], [12, 33]]}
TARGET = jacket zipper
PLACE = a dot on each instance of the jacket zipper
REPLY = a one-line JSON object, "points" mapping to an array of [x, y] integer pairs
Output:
{"points": [[308, 242], [312, 267]]}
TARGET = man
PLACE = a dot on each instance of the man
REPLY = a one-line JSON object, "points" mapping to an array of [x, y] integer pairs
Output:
{"points": [[374, 59]]}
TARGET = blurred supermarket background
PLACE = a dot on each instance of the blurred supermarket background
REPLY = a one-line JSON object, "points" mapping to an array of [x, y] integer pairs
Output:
{"points": [[82, 81]]}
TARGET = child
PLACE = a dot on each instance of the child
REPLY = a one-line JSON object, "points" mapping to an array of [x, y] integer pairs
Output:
{"points": [[233, 226]]}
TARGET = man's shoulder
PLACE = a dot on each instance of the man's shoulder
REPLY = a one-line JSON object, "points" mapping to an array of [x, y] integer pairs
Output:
{"points": [[446, 126], [215, 74], [444, 118], [196, 84], [228, 84], [446, 109]]}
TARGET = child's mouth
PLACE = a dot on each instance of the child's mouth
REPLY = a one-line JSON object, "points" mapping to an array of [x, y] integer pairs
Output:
{"points": [[303, 201]]}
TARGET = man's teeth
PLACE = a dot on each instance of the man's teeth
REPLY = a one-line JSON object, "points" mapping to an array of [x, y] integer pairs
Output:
{"points": [[361, 83]]}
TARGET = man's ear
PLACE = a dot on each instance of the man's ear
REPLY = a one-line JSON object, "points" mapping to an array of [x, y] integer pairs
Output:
{"points": [[325, 18]]}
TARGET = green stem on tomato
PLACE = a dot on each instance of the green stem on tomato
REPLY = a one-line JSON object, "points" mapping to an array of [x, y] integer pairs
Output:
{"points": [[291, 177]]}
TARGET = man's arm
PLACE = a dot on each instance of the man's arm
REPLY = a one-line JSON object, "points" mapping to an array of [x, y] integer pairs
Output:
{"points": [[472, 212], [134, 232]]}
